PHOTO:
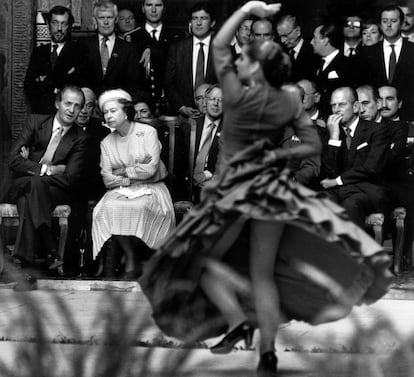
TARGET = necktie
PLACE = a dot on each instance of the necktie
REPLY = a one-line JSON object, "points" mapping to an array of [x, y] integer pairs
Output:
{"points": [[321, 64], [348, 139], [292, 54], [51, 148], [154, 34], [392, 64], [199, 78], [351, 51], [104, 54], [202, 155], [53, 55]]}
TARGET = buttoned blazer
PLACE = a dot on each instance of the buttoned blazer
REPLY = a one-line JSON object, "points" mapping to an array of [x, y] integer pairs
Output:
{"points": [[122, 71], [179, 74], [41, 80], [372, 71], [71, 151], [142, 40], [366, 159]]}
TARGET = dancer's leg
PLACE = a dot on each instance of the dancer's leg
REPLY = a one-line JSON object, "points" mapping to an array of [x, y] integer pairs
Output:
{"points": [[224, 297], [128, 248], [264, 242]]}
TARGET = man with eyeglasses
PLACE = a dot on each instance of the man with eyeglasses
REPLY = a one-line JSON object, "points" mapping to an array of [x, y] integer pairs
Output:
{"points": [[304, 61], [391, 61], [190, 62], [55, 64], [207, 139], [352, 29]]}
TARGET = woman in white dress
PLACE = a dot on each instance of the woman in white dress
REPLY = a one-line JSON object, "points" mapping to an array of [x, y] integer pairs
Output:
{"points": [[137, 202]]}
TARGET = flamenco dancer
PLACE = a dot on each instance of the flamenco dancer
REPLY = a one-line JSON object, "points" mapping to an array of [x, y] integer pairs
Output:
{"points": [[260, 248]]}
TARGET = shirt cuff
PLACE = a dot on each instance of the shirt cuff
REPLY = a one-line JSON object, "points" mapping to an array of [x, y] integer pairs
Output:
{"points": [[335, 143], [339, 181], [43, 170]]}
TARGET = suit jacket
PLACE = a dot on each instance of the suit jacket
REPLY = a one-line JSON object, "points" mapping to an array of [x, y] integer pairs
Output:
{"points": [[305, 65], [363, 165], [306, 170], [71, 151], [179, 74], [335, 75], [372, 69], [154, 84], [122, 71], [42, 80]]}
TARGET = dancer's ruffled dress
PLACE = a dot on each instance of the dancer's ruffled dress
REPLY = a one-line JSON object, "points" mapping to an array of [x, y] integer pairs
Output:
{"points": [[324, 260]]}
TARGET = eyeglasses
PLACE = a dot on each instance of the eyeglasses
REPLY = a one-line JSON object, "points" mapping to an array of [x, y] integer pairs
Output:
{"points": [[215, 99], [353, 24], [286, 35]]}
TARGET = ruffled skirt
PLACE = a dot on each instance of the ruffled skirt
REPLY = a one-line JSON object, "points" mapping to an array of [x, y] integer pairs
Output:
{"points": [[324, 261]]}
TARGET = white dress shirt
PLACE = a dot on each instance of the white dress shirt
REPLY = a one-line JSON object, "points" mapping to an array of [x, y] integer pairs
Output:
{"points": [[206, 49], [387, 52]]}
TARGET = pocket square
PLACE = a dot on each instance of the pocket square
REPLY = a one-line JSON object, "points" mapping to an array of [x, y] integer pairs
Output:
{"points": [[71, 70], [333, 75], [392, 145], [363, 145]]}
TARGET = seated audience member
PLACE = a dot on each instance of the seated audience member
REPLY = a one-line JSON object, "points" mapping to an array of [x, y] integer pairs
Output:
{"points": [[333, 71], [126, 24], [48, 163], [371, 33], [369, 103], [262, 30], [200, 98], [390, 62], [354, 159], [143, 112], [242, 37], [352, 36], [207, 139], [306, 170], [398, 176], [94, 187], [304, 61], [311, 100], [112, 62], [408, 24], [137, 207], [55, 64], [190, 62]]}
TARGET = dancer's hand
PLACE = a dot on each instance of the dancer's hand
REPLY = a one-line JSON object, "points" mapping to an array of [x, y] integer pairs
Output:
{"points": [[328, 183], [260, 9], [24, 152]]}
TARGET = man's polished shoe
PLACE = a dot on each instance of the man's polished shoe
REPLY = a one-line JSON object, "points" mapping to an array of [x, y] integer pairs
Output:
{"points": [[267, 365], [242, 332]]}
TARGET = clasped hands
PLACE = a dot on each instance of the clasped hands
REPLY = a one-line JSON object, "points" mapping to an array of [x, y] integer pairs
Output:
{"points": [[51, 169]]}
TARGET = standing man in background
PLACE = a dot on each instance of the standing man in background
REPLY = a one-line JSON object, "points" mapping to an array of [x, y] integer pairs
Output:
{"points": [[55, 64]]}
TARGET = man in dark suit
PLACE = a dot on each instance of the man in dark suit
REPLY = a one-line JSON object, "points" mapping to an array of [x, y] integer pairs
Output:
{"points": [[54, 64], [391, 62], [47, 161], [112, 62], [355, 158], [304, 61], [207, 140], [333, 71], [190, 61], [154, 38], [352, 28]]}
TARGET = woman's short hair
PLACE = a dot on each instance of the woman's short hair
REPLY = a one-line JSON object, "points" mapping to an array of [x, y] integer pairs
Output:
{"points": [[128, 107], [275, 63]]}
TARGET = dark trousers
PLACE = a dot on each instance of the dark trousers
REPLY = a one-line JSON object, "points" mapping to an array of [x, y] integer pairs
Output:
{"points": [[35, 198]]}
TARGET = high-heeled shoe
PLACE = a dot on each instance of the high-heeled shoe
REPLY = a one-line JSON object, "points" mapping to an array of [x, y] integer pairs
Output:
{"points": [[244, 331], [267, 365]]}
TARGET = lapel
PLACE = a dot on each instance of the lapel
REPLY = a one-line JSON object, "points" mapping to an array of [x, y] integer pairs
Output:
{"points": [[359, 136], [199, 131], [210, 67], [380, 61], [187, 62], [45, 132], [96, 54], [66, 143], [216, 138], [402, 59]]}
